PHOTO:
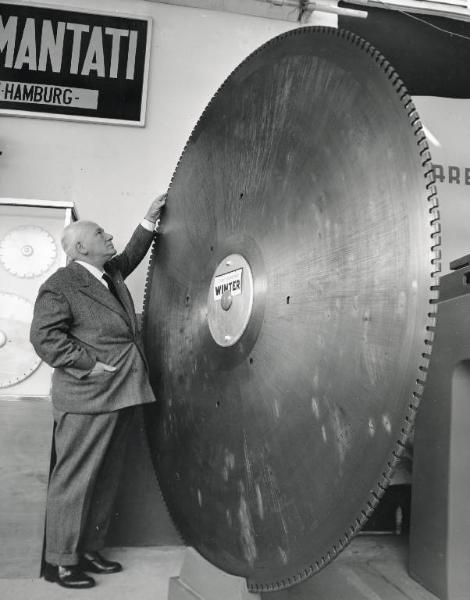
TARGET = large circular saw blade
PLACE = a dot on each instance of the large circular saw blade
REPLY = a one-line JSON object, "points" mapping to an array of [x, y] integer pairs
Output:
{"points": [[287, 312]]}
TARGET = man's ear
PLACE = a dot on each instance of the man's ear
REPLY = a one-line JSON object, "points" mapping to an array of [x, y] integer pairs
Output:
{"points": [[81, 249]]}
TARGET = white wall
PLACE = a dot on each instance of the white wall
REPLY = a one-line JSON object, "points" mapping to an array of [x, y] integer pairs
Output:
{"points": [[112, 172]]}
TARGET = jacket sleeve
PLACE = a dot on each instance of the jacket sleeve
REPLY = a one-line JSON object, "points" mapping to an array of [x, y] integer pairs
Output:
{"points": [[50, 335], [133, 253]]}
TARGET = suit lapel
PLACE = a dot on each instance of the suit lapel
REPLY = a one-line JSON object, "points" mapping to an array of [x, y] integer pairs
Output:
{"points": [[91, 287], [123, 294]]}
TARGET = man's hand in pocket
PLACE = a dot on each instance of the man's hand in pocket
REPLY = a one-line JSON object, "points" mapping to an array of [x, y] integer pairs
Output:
{"points": [[101, 367]]}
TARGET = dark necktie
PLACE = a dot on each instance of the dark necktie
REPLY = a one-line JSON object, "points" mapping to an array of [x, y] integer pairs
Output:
{"points": [[111, 286]]}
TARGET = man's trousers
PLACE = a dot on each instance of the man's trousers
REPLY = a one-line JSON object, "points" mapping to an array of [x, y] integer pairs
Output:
{"points": [[90, 452]]}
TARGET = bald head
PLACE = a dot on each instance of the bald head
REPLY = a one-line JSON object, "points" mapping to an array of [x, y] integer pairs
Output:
{"points": [[74, 233], [87, 241]]}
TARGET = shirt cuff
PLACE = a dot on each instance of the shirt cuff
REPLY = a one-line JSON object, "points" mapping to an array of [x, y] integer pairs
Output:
{"points": [[148, 225]]}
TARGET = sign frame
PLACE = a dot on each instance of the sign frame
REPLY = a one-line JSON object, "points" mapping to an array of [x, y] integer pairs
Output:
{"points": [[140, 122]]}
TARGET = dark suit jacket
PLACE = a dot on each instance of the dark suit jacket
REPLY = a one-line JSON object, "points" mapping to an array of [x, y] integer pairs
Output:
{"points": [[77, 322]]}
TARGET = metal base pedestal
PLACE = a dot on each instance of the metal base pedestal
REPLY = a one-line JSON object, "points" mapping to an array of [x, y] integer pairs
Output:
{"points": [[440, 513], [200, 580]]}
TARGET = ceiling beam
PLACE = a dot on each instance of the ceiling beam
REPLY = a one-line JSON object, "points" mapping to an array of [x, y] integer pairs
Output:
{"points": [[285, 10]]}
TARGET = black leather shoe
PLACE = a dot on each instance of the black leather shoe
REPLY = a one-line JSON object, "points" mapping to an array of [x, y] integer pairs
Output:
{"points": [[94, 562], [69, 577]]}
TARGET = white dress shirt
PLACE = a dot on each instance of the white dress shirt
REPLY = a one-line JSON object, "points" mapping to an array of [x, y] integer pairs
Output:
{"points": [[148, 225], [98, 273]]}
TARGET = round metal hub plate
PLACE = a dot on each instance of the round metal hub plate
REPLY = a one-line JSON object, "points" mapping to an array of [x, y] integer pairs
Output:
{"points": [[309, 163], [230, 300]]}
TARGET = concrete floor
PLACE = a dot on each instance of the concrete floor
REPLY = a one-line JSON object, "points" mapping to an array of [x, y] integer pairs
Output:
{"points": [[145, 577], [371, 568]]}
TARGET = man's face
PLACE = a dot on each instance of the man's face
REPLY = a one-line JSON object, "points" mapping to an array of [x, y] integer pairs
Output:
{"points": [[97, 244]]}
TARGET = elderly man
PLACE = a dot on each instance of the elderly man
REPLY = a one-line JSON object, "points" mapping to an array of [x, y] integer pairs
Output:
{"points": [[84, 326]]}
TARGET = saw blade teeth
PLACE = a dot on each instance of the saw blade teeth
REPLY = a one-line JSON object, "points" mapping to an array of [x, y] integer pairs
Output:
{"points": [[424, 152], [421, 381], [398, 452], [431, 184], [381, 486], [425, 358], [401, 90], [433, 199], [380, 59], [408, 426], [430, 178], [148, 278], [422, 142], [416, 123], [401, 443], [429, 172], [419, 387]]}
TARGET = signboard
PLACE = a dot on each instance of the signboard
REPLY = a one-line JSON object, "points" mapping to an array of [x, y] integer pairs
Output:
{"points": [[68, 64], [447, 122]]}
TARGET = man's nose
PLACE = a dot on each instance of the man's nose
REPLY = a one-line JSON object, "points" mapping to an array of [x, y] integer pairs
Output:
{"points": [[109, 237]]}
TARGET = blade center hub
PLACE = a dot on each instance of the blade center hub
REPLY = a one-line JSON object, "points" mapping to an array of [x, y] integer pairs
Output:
{"points": [[230, 300], [226, 300]]}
